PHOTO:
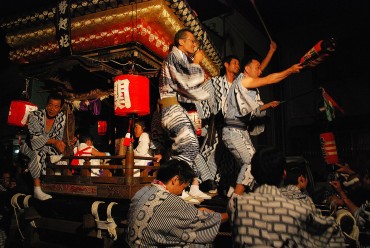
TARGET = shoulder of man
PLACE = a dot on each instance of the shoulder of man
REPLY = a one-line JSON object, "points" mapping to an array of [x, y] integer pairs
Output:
{"points": [[37, 113]]}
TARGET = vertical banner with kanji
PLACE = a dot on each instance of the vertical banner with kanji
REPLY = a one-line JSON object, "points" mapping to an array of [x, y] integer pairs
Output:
{"points": [[63, 27]]}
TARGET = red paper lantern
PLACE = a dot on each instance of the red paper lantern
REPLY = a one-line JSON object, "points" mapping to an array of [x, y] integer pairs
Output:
{"points": [[102, 127], [197, 122], [131, 95], [19, 111], [329, 148]]}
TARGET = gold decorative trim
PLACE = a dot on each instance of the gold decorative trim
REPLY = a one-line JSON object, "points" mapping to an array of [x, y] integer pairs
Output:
{"points": [[114, 27]]}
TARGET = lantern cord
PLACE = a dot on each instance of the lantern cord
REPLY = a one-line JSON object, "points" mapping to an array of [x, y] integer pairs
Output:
{"points": [[147, 69], [129, 126], [122, 64], [132, 70], [25, 92], [128, 63], [106, 61], [136, 64]]}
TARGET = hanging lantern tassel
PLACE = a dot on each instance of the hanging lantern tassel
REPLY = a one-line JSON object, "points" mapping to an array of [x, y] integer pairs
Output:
{"points": [[329, 148], [19, 111], [102, 128], [127, 140]]}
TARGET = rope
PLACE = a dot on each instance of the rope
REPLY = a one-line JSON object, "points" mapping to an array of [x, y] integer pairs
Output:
{"points": [[16, 206], [17, 221]]}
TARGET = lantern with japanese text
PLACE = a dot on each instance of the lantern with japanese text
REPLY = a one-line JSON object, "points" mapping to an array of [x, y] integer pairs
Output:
{"points": [[329, 148], [102, 128], [19, 111], [197, 122], [131, 95]]}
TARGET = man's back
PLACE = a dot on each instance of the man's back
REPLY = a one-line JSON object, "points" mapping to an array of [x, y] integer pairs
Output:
{"points": [[159, 218], [294, 193], [267, 218]]}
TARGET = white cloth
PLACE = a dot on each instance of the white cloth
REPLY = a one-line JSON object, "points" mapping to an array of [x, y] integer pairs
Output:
{"points": [[87, 152], [143, 150], [36, 147], [184, 80]]}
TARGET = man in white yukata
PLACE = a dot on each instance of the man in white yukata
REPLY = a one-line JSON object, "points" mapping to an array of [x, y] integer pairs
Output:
{"points": [[217, 156], [238, 107], [158, 217], [216, 106], [45, 129], [183, 77], [266, 218]]}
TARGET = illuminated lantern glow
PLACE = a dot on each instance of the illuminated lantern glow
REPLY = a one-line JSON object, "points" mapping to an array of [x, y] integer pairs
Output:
{"points": [[329, 148], [102, 128], [197, 122], [131, 95], [19, 111]]}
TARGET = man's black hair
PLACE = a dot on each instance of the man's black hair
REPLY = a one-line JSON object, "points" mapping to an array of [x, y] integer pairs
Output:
{"points": [[173, 168], [227, 59], [293, 172], [56, 96], [141, 123], [248, 59], [268, 166], [181, 34], [85, 137]]}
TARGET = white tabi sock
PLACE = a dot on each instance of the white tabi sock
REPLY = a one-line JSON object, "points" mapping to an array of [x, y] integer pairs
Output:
{"points": [[39, 194]]}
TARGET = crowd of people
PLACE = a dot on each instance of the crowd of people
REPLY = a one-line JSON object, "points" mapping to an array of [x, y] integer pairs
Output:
{"points": [[261, 210]]}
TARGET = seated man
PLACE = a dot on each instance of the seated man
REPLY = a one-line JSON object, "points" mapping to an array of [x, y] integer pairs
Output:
{"points": [[295, 185], [359, 209], [45, 129], [266, 218], [158, 217], [86, 148]]}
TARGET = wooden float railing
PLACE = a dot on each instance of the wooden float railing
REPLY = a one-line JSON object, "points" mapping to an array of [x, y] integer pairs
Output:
{"points": [[78, 193], [127, 169], [115, 181]]}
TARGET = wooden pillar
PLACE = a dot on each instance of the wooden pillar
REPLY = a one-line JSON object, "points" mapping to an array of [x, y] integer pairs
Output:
{"points": [[129, 163], [86, 172]]}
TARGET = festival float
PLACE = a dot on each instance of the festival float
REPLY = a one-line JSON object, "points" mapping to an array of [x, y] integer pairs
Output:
{"points": [[94, 52]]}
